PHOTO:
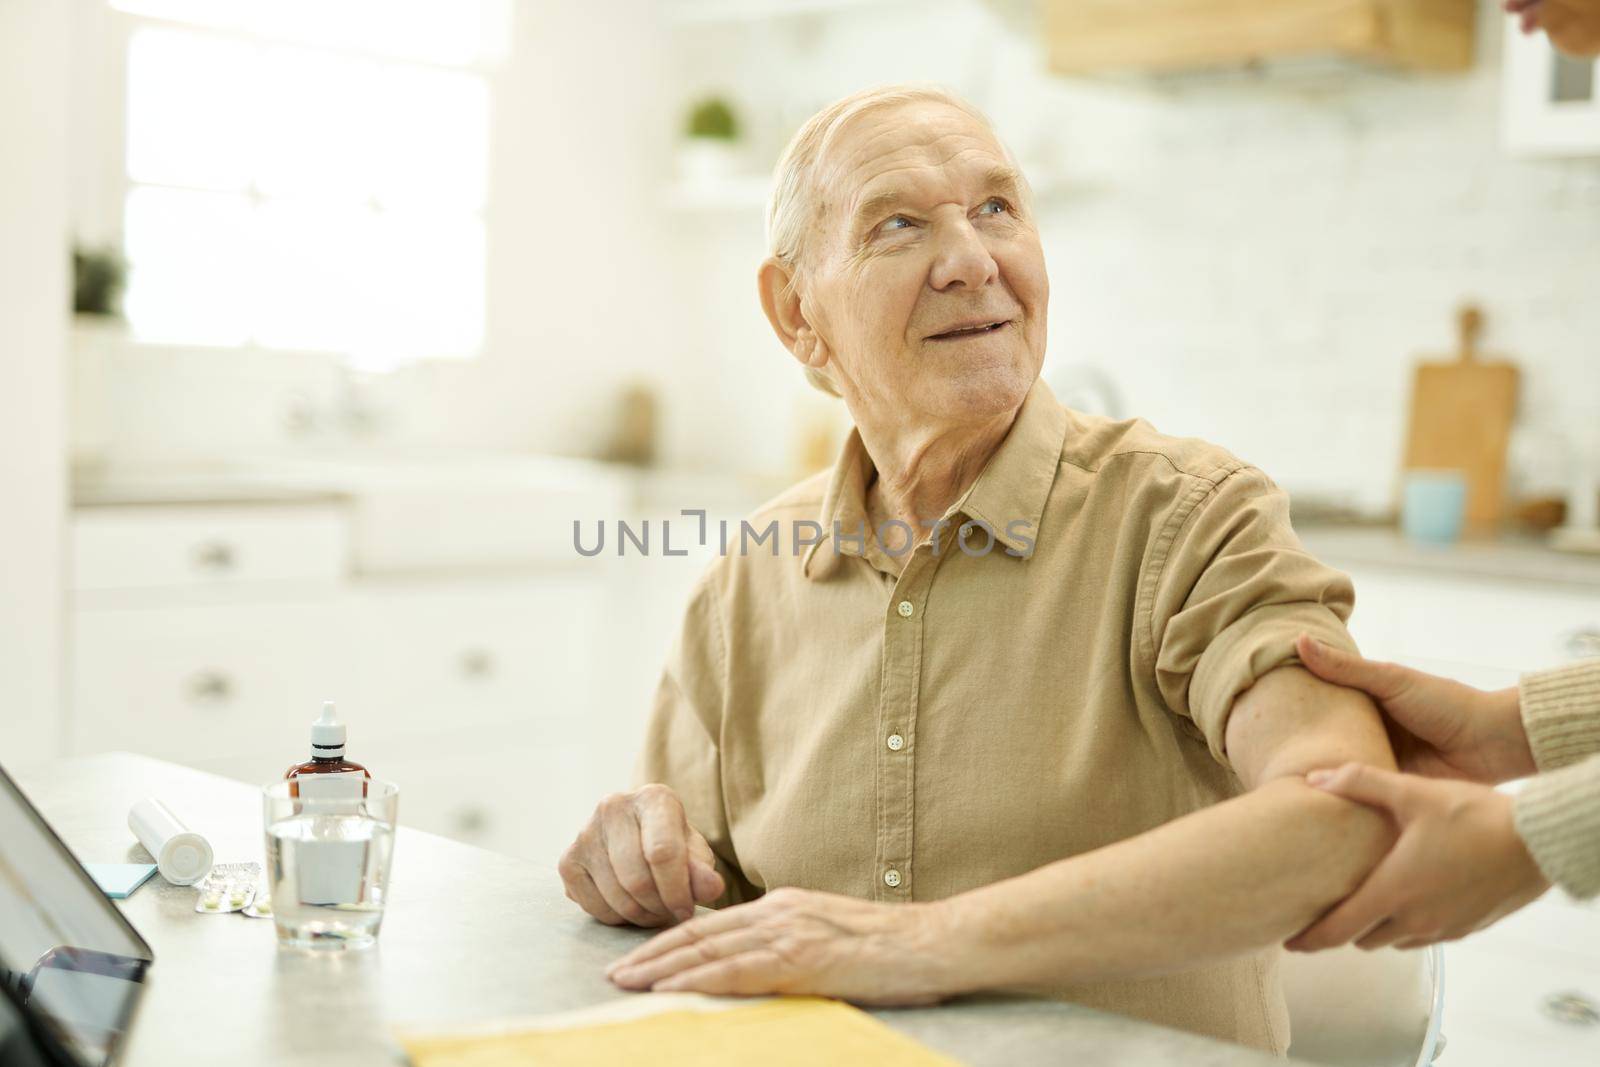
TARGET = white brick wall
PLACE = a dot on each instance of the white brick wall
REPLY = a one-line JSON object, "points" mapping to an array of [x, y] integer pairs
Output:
{"points": [[1258, 263], [1255, 262]]}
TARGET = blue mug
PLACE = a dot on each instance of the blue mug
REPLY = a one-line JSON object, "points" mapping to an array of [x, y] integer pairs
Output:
{"points": [[1434, 506]]}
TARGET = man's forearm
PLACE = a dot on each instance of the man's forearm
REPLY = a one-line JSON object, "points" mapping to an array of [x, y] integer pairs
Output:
{"points": [[1245, 873]]}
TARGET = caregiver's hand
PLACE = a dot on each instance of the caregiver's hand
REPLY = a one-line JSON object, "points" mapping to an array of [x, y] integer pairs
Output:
{"points": [[1526, 12], [639, 861], [1439, 728], [1573, 26], [799, 941], [1457, 866]]}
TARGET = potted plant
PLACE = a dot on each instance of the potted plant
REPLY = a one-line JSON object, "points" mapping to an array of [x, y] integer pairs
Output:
{"points": [[710, 151], [98, 278]]}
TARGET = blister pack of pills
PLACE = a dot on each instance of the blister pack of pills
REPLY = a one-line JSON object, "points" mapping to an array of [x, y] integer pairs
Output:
{"points": [[229, 887]]}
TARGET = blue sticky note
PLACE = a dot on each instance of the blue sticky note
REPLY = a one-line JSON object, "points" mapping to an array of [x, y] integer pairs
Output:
{"points": [[120, 879]]}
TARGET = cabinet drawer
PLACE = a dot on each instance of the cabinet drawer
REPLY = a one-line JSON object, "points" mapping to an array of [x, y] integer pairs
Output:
{"points": [[183, 546], [524, 792], [1498, 983], [197, 682], [473, 653]]}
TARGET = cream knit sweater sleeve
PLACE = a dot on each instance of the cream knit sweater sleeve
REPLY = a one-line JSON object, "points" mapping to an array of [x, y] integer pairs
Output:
{"points": [[1558, 811]]}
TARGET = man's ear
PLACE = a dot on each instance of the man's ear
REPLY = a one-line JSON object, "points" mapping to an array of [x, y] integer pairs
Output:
{"points": [[780, 299]]}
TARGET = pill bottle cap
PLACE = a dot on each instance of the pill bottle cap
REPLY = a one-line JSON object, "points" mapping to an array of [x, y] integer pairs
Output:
{"points": [[327, 734], [187, 861]]}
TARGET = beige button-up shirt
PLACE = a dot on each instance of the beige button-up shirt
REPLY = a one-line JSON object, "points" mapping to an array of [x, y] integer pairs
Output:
{"points": [[835, 722]]}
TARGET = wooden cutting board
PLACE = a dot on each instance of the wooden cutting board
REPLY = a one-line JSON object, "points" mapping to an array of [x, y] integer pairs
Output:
{"points": [[1461, 415]]}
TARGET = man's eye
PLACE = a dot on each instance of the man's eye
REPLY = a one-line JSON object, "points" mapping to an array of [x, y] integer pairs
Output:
{"points": [[893, 224], [993, 202]]}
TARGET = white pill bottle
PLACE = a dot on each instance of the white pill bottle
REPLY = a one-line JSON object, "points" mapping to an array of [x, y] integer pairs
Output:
{"points": [[182, 856]]}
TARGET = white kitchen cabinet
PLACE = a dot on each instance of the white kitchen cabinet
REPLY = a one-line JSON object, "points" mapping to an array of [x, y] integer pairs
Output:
{"points": [[1499, 984], [476, 692], [460, 653], [522, 789], [479, 696], [196, 682], [202, 632]]}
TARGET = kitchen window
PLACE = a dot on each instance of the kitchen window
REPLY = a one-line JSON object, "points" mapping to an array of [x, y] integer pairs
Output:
{"points": [[309, 174]]}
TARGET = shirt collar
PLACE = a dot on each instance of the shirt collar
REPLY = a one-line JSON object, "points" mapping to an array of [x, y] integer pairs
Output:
{"points": [[1008, 496], [845, 503]]}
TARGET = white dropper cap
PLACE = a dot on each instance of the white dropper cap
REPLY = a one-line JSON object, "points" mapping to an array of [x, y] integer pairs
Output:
{"points": [[327, 734]]}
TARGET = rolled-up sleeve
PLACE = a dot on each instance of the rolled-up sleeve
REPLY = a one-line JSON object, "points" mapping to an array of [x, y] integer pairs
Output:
{"points": [[680, 746], [1232, 589]]}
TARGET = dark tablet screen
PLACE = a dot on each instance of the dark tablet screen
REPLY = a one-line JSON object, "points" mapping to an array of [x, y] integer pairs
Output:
{"points": [[67, 956]]}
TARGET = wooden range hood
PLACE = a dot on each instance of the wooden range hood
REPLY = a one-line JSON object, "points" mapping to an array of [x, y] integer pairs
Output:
{"points": [[1102, 36]]}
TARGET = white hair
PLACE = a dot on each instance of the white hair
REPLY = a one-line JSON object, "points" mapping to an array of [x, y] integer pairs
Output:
{"points": [[795, 200]]}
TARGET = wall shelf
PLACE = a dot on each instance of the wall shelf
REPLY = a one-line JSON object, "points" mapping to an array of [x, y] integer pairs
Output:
{"points": [[746, 193], [704, 12], [1094, 36]]}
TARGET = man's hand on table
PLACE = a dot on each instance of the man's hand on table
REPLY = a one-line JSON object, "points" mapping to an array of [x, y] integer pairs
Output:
{"points": [[639, 861], [800, 941]]}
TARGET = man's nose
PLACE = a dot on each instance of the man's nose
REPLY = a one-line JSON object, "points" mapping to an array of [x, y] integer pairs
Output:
{"points": [[962, 258]]}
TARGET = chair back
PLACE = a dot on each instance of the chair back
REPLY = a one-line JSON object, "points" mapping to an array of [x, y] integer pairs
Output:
{"points": [[1350, 1008]]}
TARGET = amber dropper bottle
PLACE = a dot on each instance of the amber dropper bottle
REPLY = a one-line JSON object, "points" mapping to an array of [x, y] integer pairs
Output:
{"points": [[327, 763]]}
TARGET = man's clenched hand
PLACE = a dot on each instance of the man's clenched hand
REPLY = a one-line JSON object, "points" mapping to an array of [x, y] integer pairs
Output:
{"points": [[639, 861]]}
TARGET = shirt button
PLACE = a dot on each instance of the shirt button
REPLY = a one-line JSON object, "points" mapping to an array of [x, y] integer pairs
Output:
{"points": [[905, 609], [896, 742], [891, 878]]}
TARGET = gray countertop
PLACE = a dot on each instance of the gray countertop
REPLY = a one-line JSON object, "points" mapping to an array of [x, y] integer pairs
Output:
{"points": [[469, 935], [1507, 558]]}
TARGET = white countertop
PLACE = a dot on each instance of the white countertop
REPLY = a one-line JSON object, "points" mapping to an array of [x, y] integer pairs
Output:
{"points": [[469, 935]]}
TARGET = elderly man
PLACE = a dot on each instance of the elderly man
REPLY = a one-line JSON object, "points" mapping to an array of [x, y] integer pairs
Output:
{"points": [[1068, 759]]}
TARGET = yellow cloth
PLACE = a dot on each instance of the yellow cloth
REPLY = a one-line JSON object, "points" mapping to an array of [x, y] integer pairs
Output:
{"points": [[775, 1033]]}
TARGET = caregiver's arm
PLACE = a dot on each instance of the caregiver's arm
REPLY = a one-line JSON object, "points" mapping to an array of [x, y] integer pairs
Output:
{"points": [[1248, 872], [1240, 875]]}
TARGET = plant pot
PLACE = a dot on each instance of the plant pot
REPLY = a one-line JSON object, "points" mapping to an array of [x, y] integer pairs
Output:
{"points": [[708, 161]]}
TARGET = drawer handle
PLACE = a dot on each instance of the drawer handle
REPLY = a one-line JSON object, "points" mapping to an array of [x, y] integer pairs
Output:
{"points": [[215, 556], [477, 663], [470, 822], [1584, 643], [210, 688], [1573, 1008]]}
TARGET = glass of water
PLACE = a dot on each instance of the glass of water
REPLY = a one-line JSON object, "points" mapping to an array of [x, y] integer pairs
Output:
{"points": [[328, 855]]}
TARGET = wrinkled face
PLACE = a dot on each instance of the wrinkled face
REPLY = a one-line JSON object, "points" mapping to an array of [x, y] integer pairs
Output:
{"points": [[922, 275]]}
